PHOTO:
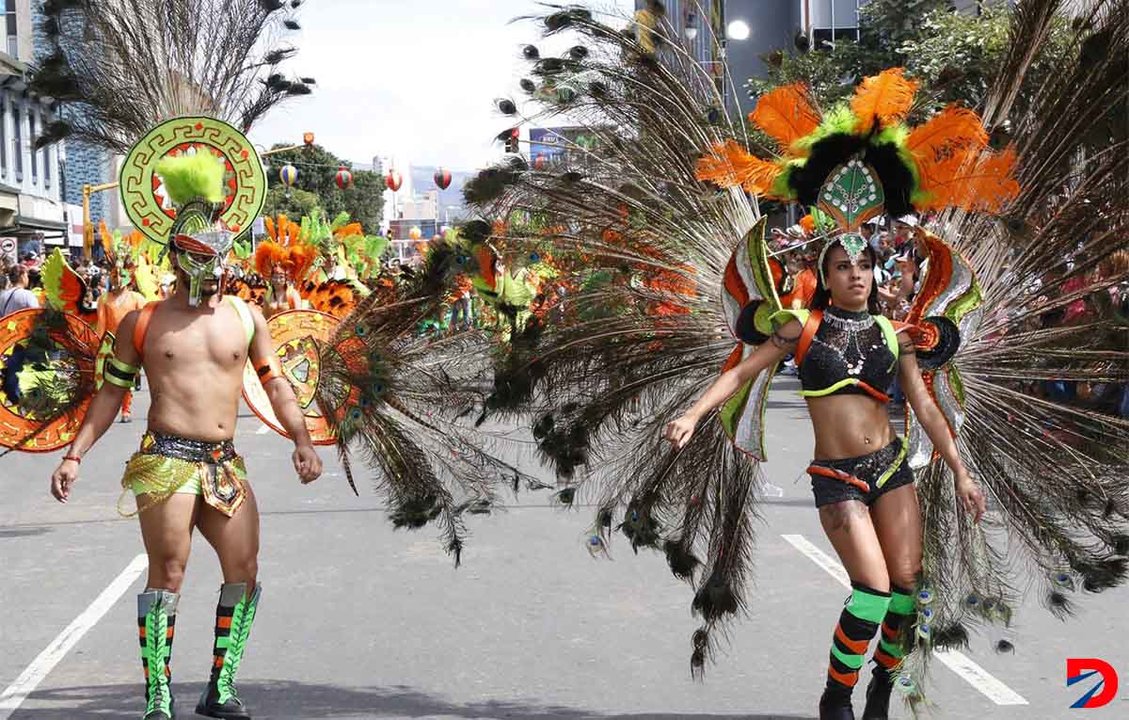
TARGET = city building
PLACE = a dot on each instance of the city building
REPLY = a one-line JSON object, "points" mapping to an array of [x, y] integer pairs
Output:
{"points": [[32, 209]]}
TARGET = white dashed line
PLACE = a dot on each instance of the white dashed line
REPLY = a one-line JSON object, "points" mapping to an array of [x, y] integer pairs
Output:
{"points": [[14, 695], [958, 662]]}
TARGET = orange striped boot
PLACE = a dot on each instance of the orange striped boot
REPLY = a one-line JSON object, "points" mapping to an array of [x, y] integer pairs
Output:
{"points": [[857, 626], [156, 624], [889, 653], [234, 615]]}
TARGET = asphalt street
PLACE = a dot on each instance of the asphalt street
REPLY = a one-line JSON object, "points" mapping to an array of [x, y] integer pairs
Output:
{"points": [[360, 621]]}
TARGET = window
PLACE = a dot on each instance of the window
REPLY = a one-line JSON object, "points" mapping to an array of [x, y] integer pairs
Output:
{"points": [[13, 35], [822, 37], [47, 167], [4, 136], [31, 146], [17, 142]]}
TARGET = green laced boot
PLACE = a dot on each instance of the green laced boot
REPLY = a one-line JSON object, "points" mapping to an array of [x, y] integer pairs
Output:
{"points": [[156, 623], [234, 616]]}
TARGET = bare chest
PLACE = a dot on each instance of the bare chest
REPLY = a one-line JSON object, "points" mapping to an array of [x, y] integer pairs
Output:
{"points": [[186, 343]]}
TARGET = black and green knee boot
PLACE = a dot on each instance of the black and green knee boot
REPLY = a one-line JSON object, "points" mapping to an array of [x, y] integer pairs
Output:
{"points": [[234, 616], [156, 624]]}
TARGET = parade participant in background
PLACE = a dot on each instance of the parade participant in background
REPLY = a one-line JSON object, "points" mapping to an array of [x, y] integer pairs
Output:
{"points": [[283, 267], [17, 296], [187, 474], [113, 306]]}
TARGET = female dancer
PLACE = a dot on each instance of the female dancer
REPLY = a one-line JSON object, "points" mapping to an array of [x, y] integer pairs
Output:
{"points": [[862, 483]]}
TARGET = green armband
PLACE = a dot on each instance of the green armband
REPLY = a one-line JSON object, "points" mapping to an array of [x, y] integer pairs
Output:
{"points": [[120, 374]]}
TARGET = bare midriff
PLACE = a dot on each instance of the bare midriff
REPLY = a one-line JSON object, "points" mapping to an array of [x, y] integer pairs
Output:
{"points": [[193, 361], [849, 426]]}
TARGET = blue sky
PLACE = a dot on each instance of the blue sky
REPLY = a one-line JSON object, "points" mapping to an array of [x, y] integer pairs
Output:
{"points": [[408, 79]]}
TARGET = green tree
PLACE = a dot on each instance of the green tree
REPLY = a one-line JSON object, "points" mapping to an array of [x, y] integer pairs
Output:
{"points": [[955, 56], [293, 203], [364, 201], [317, 173]]}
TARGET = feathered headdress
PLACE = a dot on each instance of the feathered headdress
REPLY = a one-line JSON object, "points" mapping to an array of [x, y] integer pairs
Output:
{"points": [[861, 159], [296, 260]]}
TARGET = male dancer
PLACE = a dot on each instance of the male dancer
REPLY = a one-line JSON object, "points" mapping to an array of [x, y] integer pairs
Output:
{"points": [[193, 347]]}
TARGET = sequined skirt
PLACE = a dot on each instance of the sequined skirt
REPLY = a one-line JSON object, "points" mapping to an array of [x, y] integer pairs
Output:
{"points": [[168, 464]]}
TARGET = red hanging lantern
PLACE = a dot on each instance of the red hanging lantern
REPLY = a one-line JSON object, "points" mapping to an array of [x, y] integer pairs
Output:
{"points": [[344, 178], [442, 178], [394, 180]]}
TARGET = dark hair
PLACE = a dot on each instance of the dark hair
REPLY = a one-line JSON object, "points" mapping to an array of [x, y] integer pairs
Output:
{"points": [[821, 299], [15, 273]]}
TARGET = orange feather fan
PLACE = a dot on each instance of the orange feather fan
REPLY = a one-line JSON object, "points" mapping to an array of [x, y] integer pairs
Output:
{"points": [[786, 114], [728, 165], [887, 97]]}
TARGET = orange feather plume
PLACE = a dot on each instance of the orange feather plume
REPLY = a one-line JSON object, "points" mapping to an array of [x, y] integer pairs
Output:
{"points": [[972, 178], [728, 165], [786, 114], [887, 96]]}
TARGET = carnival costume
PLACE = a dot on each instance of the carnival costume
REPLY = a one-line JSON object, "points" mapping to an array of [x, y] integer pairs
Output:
{"points": [[609, 376]]}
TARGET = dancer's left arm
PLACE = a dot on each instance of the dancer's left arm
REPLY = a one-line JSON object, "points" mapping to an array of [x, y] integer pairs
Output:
{"points": [[936, 427], [285, 405]]}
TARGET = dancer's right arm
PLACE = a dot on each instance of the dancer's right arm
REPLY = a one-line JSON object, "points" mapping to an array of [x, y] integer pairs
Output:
{"points": [[100, 414], [781, 343]]}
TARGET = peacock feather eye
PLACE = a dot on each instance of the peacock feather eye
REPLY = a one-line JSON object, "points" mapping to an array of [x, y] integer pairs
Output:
{"points": [[924, 597], [925, 615], [972, 600], [534, 257], [360, 330]]}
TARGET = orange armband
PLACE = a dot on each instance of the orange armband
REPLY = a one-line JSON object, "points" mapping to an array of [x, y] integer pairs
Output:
{"points": [[268, 370]]}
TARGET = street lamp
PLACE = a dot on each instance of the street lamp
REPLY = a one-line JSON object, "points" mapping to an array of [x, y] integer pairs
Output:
{"points": [[737, 30], [691, 30]]}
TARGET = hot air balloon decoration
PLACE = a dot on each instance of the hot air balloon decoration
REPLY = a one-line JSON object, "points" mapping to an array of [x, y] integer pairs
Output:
{"points": [[288, 175], [442, 178], [343, 178], [394, 180]]}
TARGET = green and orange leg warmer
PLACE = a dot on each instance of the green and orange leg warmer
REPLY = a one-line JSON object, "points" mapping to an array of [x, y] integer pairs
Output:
{"points": [[899, 615], [858, 623]]}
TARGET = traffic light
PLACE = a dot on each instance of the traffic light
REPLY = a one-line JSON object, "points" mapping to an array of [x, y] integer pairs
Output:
{"points": [[510, 138]]}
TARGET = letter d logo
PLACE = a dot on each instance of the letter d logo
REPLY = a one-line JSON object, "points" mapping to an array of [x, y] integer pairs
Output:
{"points": [[1078, 669]]}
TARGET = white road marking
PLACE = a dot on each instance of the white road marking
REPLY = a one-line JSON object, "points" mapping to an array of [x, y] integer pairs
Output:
{"points": [[14, 695], [958, 662]]}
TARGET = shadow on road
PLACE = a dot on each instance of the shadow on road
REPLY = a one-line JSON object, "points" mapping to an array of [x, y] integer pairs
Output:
{"points": [[285, 700]]}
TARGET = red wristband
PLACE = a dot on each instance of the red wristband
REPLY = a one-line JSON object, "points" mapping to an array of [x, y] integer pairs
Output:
{"points": [[76, 458]]}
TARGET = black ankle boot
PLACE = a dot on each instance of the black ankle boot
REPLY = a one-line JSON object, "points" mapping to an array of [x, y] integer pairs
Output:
{"points": [[878, 695], [234, 616], [835, 704]]}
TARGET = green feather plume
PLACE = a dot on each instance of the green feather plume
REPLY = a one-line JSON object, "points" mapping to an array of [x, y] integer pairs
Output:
{"points": [[192, 177]]}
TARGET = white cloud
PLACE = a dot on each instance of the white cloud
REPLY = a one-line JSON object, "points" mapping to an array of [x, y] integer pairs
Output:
{"points": [[410, 80]]}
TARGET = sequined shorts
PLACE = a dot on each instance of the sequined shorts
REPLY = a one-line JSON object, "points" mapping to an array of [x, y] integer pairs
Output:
{"points": [[864, 478], [167, 464]]}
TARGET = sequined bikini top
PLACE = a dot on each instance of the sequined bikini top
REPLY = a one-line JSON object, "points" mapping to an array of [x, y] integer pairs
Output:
{"points": [[844, 352]]}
